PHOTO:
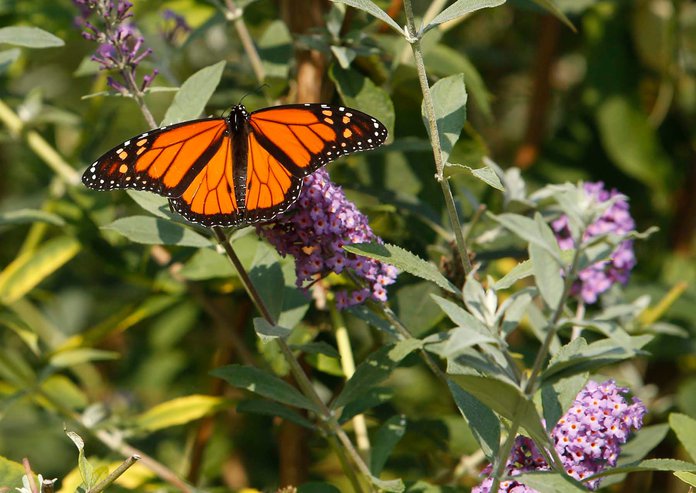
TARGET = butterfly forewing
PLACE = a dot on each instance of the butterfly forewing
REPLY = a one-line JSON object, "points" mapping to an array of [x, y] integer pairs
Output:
{"points": [[304, 137], [164, 161]]}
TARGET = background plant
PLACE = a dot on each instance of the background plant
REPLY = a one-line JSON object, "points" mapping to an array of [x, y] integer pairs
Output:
{"points": [[114, 338]]}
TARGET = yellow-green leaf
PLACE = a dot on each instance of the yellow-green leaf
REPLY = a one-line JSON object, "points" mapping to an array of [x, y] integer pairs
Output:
{"points": [[178, 411], [29, 269]]}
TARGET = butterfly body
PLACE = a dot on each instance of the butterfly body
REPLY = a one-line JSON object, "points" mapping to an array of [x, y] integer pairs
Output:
{"points": [[244, 168]]}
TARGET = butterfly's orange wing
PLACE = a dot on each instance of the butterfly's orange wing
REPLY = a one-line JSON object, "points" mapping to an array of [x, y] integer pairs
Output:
{"points": [[215, 176], [289, 142], [164, 161]]}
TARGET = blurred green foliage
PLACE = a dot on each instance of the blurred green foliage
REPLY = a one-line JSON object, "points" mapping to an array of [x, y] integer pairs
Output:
{"points": [[102, 331]]}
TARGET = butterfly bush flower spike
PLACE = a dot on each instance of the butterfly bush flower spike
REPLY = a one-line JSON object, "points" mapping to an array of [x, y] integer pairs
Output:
{"points": [[588, 438], [120, 44], [599, 277], [314, 231]]}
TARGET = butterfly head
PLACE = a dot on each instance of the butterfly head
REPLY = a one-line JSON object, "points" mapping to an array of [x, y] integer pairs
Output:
{"points": [[238, 116]]}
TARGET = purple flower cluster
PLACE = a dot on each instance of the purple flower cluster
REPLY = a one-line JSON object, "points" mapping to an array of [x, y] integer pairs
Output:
{"points": [[314, 231], [588, 438], [120, 43], [599, 277]]}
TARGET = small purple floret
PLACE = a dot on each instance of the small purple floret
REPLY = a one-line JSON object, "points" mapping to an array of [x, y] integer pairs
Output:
{"points": [[599, 277], [314, 231], [120, 43], [588, 438]]}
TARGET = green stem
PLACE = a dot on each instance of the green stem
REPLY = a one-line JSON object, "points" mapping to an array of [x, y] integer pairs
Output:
{"points": [[435, 137], [345, 351], [102, 485], [326, 416], [234, 14]]}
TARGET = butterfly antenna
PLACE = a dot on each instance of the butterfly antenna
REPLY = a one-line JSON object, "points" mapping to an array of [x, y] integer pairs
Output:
{"points": [[258, 89]]}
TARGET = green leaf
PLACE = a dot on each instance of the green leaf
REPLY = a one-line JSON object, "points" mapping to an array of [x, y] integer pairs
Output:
{"points": [[271, 408], [551, 7], [587, 357], [557, 398], [547, 274], [384, 441], [549, 482], [7, 57], [372, 398], [449, 101], [361, 93], [415, 307], [207, 263], [533, 231], [460, 8], [485, 174], [11, 472], [641, 444], [275, 49], [483, 422], [152, 203], [393, 485], [86, 469], [688, 477], [25, 272], [268, 332], [372, 9], [649, 465], [72, 357], [403, 260], [265, 384], [460, 316], [506, 400], [632, 143], [178, 411], [317, 347], [443, 61], [29, 37], [194, 94], [27, 216], [520, 271], [155, 231], [685, 428], [375, 369]]}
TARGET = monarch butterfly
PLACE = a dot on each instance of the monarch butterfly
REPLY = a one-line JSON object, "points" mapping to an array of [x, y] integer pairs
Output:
{"points": [[240, 169]]}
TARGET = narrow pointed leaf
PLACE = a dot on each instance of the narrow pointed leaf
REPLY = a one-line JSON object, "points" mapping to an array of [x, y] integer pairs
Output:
{"points": [[461, 8], [194, 94], [29, 37], [155, 231], [403, 260], [264, 384], [449, 101], [178, 411], [372, 9], [384, 441], [483, 422], [31, 268]]}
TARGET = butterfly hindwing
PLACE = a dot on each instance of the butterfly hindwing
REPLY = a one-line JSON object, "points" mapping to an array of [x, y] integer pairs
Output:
{"points": [[210, 198]]}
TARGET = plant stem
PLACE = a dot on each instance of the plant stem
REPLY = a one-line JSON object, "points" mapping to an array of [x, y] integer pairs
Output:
{"points": [[326, 416], [101, 486], [39, 145], [553, 325], [348, 365], [234, 14], [435, 138]]}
